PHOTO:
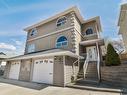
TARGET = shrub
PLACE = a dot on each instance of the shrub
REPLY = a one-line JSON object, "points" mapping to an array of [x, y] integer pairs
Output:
{"points": [[112, 58]]}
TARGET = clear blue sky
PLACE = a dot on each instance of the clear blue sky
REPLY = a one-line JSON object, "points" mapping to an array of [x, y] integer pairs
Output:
{"points": [[15, 15]]}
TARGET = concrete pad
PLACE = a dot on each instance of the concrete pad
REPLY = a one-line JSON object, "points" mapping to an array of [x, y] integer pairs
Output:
{"points": [[10, 89], [31, 85]]}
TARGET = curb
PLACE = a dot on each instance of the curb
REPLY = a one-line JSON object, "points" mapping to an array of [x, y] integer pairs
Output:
{"points": [[95, 88]]}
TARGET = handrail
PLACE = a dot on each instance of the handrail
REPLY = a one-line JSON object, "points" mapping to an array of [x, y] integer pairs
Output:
{"points": [[86, 64], [98, 62], [73, 66]]}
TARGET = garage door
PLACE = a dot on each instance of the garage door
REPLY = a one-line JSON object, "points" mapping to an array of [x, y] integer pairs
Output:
{"points": [[43, 71], [14, 70]]}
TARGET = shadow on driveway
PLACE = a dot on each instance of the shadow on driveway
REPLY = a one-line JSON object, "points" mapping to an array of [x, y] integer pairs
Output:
{"points": [[25, 84]]}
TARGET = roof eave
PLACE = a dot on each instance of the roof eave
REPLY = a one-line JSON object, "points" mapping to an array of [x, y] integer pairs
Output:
{"points": [[72, 9], [63, 53]]}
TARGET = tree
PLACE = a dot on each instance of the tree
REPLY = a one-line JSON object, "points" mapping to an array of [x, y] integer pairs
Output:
{"points": [[112, 58]]}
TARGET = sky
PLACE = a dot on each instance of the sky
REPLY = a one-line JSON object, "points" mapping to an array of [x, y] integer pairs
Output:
{"points": [[15, 15]]}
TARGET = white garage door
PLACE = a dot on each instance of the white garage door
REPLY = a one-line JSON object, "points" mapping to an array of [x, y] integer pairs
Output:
{"points": [[14, 70], [43, 71]]}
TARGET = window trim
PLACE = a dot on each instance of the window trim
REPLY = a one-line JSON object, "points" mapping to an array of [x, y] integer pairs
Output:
{"points": [[61, 42], [59, 19]]}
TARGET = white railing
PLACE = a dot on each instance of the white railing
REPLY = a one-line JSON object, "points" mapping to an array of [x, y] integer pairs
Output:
{"points": [[94, 34], [73, 67], [98, 62], [86, 64]]}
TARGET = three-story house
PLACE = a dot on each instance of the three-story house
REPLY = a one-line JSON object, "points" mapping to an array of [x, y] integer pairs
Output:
{"points": [[55, 47]]}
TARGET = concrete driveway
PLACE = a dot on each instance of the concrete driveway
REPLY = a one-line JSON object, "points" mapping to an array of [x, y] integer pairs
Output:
{"points": [[8, 89]]}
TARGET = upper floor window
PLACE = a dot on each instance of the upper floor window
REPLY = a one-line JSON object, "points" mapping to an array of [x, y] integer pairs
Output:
{"points": [[31, 48], [33, 32], [89, 31], [61, 42], [61, 21]]}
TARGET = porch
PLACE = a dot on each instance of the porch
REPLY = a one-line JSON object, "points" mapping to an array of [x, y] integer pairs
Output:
{"points": [[89, 71]]}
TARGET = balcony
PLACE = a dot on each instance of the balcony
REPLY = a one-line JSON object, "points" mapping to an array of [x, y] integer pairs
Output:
{"points": [[90, 37]]}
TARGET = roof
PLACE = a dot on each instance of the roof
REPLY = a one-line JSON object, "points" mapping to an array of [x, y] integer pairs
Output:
{"points": [[72, 9], [97, 20], [48, 53]]}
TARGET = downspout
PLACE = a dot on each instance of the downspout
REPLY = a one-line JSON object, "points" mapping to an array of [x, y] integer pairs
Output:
{"points": [[64, 71]]}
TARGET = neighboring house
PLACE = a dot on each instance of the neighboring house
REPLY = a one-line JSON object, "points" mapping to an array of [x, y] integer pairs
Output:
{"points": [[122, 23], [55, 47], [3, 56]]}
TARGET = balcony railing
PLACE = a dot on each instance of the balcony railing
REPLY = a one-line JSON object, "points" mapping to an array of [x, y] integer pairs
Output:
{"points": [[91, 37]]}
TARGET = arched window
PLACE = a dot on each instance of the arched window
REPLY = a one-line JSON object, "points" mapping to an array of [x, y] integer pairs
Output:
{"points": [[61, 42], [33, 32], [61, 21], [89, 31]]}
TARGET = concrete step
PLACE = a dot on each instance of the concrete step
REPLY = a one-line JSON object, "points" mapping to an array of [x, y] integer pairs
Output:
{"points": [[91, 78], [88, 71], [91, 72], [96, 88], [86, 81]]}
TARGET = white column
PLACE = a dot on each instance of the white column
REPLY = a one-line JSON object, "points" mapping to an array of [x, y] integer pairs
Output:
{"points": [[98, 61]]}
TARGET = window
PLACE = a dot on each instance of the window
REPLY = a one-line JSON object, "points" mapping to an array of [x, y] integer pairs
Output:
{"points": [[61, 42], [31, 48], [89, 31], [61, 21], [33, 32]]}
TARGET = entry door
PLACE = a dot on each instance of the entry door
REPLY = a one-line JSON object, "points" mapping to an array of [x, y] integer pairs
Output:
{"points": [[14, 70], [43, 71], [92, 53]]}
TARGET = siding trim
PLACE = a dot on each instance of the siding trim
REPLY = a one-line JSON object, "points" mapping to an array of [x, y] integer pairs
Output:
{"points": [[62, 30]]}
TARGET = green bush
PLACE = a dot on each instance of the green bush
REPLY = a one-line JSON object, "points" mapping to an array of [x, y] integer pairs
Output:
{"points": [[112, 58]]}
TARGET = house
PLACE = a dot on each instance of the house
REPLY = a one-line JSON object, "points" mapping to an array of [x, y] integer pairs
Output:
{"points": [[3, 56], [122, 23], [55, 48]]}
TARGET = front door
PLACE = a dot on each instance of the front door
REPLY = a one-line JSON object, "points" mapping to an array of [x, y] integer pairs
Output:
{"points": [[91, 53]]}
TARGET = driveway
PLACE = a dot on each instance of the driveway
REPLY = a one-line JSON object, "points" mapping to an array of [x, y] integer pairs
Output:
{"points": [[8, 89], [14, 87]]}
